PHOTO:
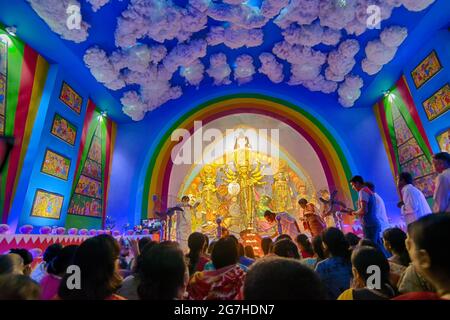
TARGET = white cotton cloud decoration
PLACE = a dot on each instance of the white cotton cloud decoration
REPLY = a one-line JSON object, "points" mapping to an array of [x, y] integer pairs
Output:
{"points": [[244, 69], [298, 11], [235, 37], [185, 32], [393, 36], [336, 14], [219, 69], [370, 67], [349, 91], [341, 61], [378, 53], [102, 68], [320, 84], [158, 20], [193, 73], [306, 63], [54, 13], [271, 8], [133, 105], [155, 90], [417, 5], [201, 5], [297, 54], [242, 16], [271, 67], [381, 51], [330, 36], [394, 3], [185, 54], [97, 4], [311, 35], [138, 58]]}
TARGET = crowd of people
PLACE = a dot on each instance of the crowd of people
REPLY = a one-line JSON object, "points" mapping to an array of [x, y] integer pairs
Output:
{"points": [[332, 265], [386, 263]]}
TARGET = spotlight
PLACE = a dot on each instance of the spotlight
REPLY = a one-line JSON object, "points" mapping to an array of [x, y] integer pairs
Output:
{"points": [[12, 31], [386, 93], [102, 116]]}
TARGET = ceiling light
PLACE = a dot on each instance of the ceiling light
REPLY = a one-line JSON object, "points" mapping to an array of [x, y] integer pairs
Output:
{"points": [[12, 31]]}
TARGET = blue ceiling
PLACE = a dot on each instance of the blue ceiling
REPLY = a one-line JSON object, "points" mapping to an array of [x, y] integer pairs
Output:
{"points": [[69, 55]]}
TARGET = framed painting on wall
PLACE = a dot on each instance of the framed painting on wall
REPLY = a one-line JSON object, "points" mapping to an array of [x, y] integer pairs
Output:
{"points": [[426, 69], [64, 130], [3, 57], [408, 151], [443, 140], [92, 169], [402, 132], [438, 103], [426, 184], [418, 167], [70, 98], [56, 165], [47, 204], [85, 206], [89, 187], [95, 153]]}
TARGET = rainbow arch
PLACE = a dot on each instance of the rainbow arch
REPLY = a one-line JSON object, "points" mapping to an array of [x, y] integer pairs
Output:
{"points": [[333, 160]]}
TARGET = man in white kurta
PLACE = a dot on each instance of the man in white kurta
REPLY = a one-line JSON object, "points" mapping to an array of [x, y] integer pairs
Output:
{"points": [[414, 204], [441, 162]]}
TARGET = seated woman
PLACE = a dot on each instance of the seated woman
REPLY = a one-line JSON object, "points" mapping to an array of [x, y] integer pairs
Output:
{"points": [[286, 248], [266, 245], [364, 258], [427, 243], [352, 240], [318, 254], [163, 273], [18, 287], [196, 257], [223, 283], [97, 259], [56, 269], [394, 242], [130, 284], [336, 270], [306, 249], [41, 269], [243, 259], [249, 252]]}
